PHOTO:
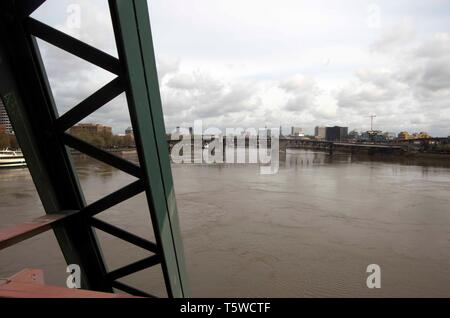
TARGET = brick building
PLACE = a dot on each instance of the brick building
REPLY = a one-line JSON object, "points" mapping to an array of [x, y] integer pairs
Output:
{"points": [[93, 129]]}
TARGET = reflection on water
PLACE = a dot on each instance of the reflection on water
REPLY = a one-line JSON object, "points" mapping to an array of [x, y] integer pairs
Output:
{"points": [[311, 158], [308, 231]]}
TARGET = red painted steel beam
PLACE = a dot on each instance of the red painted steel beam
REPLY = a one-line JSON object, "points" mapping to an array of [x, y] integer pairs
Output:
{"points": [[23, 231], [29, 283], [28, 275]]}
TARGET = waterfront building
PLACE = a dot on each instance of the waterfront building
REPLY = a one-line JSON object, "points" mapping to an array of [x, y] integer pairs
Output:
{"points": [[354, 135], [336, 133], [320, 132], [91, 129], [423, 135], [404, 135], [389, 135], [297, 131], [373, 136]]}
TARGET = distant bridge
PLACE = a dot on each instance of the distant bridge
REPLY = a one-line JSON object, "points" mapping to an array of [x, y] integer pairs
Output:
{"points": [[332, 146], [440, 140], [298, 142]]}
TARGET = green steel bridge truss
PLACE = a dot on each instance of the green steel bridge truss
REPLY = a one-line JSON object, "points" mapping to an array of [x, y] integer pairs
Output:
{"points": [[43, 137]]}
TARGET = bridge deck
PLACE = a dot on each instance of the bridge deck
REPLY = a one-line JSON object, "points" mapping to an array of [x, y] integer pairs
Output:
{"points": [[29, 283], [347, 144]]}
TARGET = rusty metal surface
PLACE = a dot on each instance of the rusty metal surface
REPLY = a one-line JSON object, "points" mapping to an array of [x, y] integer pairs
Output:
{"points": [[29, 275], [29, 283], [20, 232]]}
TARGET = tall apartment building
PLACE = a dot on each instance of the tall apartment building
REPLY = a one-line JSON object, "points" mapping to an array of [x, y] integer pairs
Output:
{"points": [[4, 119], [297, 131], [320, 132], [336, 133]]}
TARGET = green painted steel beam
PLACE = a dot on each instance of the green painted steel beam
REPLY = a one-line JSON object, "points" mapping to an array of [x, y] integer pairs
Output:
{"points": [[134, 43], [27, 97], [26, 93]]}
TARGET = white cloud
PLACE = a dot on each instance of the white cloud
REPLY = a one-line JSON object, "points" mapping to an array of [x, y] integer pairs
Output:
{"points": [[257, 63], [302, 90], [395, 37]]}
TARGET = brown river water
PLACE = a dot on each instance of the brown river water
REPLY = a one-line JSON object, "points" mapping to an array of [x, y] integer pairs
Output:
{"points": [[310, 230]]}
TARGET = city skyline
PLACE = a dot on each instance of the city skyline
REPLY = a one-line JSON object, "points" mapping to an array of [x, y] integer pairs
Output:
{"points": [[284, 130]]}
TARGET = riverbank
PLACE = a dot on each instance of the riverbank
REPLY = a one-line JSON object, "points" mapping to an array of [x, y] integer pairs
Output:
{"points": [[443, 158], [117, 151], [406, 158]]}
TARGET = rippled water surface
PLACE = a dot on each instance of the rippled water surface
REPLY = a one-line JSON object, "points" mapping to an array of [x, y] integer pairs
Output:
{"points": [[308, 231]]}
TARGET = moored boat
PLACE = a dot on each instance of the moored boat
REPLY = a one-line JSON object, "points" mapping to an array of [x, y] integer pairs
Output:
{"points": [[11, 159]]}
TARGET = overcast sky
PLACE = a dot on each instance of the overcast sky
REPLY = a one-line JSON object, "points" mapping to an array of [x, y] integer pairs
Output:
{"points": [[252, 63]]}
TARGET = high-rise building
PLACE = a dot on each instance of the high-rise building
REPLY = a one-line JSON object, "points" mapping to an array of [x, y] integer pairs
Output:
{"points": [[336, 133], [320, 132], [4, 119], [297, 131]]}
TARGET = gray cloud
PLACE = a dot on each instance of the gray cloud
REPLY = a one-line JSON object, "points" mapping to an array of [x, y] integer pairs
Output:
{"points": [[187, 97], [402, 75], [303, 92], [411, 92]]}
